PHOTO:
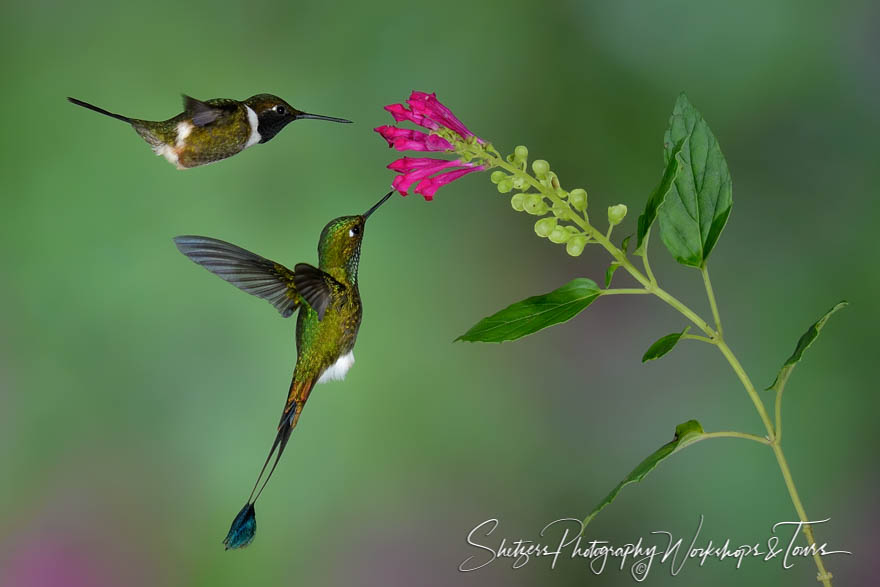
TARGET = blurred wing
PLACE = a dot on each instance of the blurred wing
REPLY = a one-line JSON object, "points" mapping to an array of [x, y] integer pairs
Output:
{"points": [[202, 113], [248, 272], [315, 287]]}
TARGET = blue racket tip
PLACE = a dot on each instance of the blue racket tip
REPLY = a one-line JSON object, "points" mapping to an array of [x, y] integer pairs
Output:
{"points": [[243, 528]]}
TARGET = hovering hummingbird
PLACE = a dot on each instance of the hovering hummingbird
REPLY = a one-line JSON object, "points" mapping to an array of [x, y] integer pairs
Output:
{"points": [[329, 317], [215, 129]]}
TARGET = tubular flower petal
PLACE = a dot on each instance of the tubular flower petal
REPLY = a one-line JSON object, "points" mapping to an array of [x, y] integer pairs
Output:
{"points": [[399, 112], [429, 107], [402, 183], [429, 187], [403, 139], [445, 133]]}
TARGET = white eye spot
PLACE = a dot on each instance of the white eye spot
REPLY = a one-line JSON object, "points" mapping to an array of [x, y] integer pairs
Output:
{"points": [[351, 233]]}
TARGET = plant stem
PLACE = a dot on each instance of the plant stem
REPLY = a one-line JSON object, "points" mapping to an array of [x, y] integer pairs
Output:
{"points": [[606, 292], [711, 294], [735, 434], [647, 263], [779, 413], [824, 576], [747, 384], [697, 337]]}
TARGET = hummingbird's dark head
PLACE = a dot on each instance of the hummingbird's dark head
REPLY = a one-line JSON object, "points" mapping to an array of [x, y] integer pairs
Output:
{"points": [[340, 242], [273, 114]]}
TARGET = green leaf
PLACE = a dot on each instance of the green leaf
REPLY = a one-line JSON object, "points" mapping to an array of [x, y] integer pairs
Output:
{"points": [[663, 345], [609, 273], [803, 344], [535, 313], [697, 205], [625, 244], [658, 196], [685, 434]]}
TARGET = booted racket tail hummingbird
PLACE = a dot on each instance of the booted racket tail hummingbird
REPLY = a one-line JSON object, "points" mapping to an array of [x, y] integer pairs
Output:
{"points": [[211, 130], [330, 311]]}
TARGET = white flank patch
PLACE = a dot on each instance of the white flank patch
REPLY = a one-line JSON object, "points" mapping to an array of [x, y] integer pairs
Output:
{"points": [[255, 137], [337, 371], [183, 130], [169, 153]]}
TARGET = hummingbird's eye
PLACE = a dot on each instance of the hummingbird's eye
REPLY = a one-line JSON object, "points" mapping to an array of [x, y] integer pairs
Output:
{"points": [[280, 110], [354, 231]]}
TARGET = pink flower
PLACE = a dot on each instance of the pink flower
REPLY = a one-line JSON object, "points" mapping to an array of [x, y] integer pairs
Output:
{"points": [[404, 139], [430, 174], [419, 169]]}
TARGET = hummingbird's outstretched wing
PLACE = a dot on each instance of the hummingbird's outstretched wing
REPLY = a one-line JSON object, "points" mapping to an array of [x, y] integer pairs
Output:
{"points": [[315, 287], [202, 113], [247, 271]]}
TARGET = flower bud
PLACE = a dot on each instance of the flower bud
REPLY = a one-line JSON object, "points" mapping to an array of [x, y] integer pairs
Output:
{"points": [[535, 205], [519, 182], [521, 153], [517, 201], [545, 226], [540, 167], [616, 214], [560, 211], [575, 245], [505, 185], [559, 235], [497, 176], [578, 199]]}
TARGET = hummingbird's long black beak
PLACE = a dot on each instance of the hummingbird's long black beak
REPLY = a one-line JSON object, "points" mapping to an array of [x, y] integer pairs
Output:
{"points": [[377, 204], [302, 115]]}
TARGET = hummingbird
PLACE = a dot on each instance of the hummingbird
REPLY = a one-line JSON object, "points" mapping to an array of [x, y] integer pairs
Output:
{"points": [[211, 130], [329, 317]]}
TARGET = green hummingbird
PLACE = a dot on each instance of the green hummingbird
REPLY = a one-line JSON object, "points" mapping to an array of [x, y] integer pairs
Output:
{"points": [[330, 313], [215, 129]]}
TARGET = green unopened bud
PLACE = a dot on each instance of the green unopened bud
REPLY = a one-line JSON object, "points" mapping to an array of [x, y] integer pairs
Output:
{"points": [[559, 235], [521, 153], [575, 245], [498, 176], [517, 201], [560, 211], [535, 205], [519, 182], [616, 214], [505, 185], [545, 226], [540, 167], [578, 199]]}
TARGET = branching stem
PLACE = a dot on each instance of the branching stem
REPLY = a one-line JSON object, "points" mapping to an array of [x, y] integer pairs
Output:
{"points": [[713, 335]]}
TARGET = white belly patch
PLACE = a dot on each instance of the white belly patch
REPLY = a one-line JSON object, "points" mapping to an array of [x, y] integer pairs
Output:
{"points": [[337, 371], [170, 153]]}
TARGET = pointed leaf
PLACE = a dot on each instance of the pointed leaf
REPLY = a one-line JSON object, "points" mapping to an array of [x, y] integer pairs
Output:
{"points": [[535, 313], [803, 344], [609, 273], [696, 208], [658, 196], [663, 345], [685, 434]]}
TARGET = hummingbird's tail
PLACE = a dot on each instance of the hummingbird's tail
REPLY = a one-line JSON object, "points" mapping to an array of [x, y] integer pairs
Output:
{"points": [[99, 110], [244, 526]]}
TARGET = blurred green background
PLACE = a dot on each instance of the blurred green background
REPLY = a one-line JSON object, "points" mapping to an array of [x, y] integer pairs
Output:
{"points": [[138, 393]]}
